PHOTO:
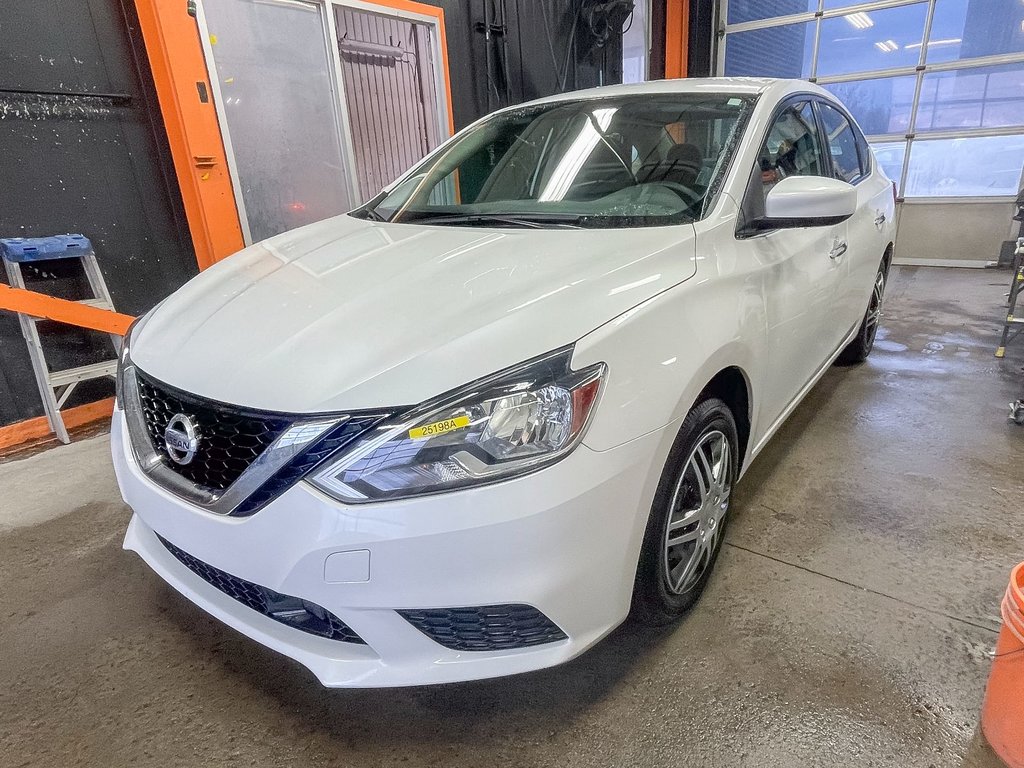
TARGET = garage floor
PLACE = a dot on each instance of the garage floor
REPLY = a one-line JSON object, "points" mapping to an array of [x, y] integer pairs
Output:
{"points": [[849, 622]]}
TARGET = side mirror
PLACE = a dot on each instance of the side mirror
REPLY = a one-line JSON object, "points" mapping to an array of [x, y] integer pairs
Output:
{"points": [[806, 201]]}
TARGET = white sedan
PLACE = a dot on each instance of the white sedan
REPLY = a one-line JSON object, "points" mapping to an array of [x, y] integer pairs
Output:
{"points": [[466, 429]]}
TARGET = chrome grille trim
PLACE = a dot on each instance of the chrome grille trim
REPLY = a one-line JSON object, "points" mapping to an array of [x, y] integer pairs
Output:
{"points": [[294, 440]]}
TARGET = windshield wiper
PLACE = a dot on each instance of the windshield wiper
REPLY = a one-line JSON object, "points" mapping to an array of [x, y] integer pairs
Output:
{"points": [[369, 213], [541, 222]]}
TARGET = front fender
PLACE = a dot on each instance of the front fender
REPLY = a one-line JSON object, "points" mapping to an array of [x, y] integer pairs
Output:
{"points": [[662, 353]]}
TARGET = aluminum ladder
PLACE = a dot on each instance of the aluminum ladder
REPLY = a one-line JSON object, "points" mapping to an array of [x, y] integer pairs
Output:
{"points": [[1016, 289], [55, 387]]}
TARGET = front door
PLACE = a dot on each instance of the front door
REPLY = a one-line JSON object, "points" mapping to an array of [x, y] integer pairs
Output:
{"points": [[802, 268]]}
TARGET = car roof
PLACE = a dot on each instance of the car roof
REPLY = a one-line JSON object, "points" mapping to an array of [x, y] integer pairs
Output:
{"points": [[738, 86]]}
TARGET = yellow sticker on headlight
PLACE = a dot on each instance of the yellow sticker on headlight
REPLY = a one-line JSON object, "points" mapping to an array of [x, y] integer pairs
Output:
{"points": [[440, 427]]}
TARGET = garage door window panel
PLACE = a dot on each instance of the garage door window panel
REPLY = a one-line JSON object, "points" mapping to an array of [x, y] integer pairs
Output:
{"points": [[881, 105], [962, 30], [890, 155], [977, 166], [783, 51], [741, 11], [979, 97], [871, 40]]}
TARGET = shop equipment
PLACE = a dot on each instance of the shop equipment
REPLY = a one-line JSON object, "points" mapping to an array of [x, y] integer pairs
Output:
{"points": [[55, 387]]}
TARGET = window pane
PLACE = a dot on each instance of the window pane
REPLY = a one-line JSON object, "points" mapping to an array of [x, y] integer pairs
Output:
{"points": [[792, 148], [751, 10], [634, 45], [889, 155], [842, 144], [275, 75], [986, 97], [774, 52], [976, 166], [869, 40], [991, 27], [879, 105]]}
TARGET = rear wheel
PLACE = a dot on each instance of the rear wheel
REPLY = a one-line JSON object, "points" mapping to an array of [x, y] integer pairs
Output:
{"points": [[687, 521], [858, 350]]}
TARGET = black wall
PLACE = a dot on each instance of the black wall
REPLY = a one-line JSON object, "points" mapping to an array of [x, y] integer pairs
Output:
{"points": [[533, 48], [701, 38], [82, 149]]}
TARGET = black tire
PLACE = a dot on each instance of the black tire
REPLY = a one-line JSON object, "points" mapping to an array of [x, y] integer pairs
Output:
{"points": [[654, 601], [857, 351]]}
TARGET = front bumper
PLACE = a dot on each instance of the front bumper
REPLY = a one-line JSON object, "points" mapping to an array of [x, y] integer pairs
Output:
{"points": [[564, 540]]}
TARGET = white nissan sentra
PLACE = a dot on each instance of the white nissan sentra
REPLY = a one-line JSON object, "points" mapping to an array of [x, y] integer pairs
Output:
{"points": [[466, 429]]}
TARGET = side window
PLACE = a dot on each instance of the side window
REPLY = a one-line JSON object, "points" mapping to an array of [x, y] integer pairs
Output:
{"points": [[842, 144], [792, 147], [865, 153]]}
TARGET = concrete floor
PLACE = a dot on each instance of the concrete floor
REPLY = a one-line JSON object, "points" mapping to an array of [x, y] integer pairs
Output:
{"points": [[849, 622]]}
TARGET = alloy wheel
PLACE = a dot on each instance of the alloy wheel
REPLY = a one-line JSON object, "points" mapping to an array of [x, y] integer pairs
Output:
{"points": [[699, 504], [875, 307]]}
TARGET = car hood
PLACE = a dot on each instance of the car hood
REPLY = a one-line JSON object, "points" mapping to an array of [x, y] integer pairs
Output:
{"points": [[348, 314]]}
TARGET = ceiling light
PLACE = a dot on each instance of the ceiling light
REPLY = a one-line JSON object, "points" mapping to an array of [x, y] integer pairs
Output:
{"points": [[860, 20], [886, 46], [947, 41]]}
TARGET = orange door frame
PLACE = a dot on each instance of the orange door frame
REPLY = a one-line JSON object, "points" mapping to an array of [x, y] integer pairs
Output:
{"points": [[186, 102], [677, 37]]}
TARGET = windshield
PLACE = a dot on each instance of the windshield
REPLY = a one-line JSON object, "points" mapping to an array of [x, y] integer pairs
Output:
{"points": [[619, 162]]}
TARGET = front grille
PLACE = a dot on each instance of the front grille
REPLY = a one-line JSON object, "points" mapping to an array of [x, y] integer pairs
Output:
{"points": [[230, 438], [485, 628], [329, 444], [291, 611]]}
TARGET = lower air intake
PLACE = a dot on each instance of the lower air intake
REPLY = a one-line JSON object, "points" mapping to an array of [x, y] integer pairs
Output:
{"points": [[292, 611], [486, 627]]}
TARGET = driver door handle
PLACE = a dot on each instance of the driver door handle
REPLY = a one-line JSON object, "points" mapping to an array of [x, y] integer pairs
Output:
{"points": [[880, 220], [837, 250]]}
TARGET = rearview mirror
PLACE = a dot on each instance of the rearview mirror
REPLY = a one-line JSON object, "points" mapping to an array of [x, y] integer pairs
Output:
{"points": [[806, 201]]}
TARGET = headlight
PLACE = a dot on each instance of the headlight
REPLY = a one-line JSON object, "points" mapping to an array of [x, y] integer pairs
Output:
{"points": [[506, 425]]}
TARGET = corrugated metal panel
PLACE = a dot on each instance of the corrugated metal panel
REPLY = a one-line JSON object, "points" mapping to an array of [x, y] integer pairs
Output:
{"points": [[391, 93]]}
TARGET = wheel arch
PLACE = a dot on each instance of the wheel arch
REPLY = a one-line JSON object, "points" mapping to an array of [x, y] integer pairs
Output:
{"points": [[732, 386]]}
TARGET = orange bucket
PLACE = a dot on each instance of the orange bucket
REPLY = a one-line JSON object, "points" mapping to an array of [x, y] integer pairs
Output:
{"points": [[1002, 718]]}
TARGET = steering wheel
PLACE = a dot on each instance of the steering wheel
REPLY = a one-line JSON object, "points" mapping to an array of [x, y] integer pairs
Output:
{"points": [[687, 195]]}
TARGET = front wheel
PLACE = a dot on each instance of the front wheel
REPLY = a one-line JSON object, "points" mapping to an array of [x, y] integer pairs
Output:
{"points": [[687, 521], [858, 350]]}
